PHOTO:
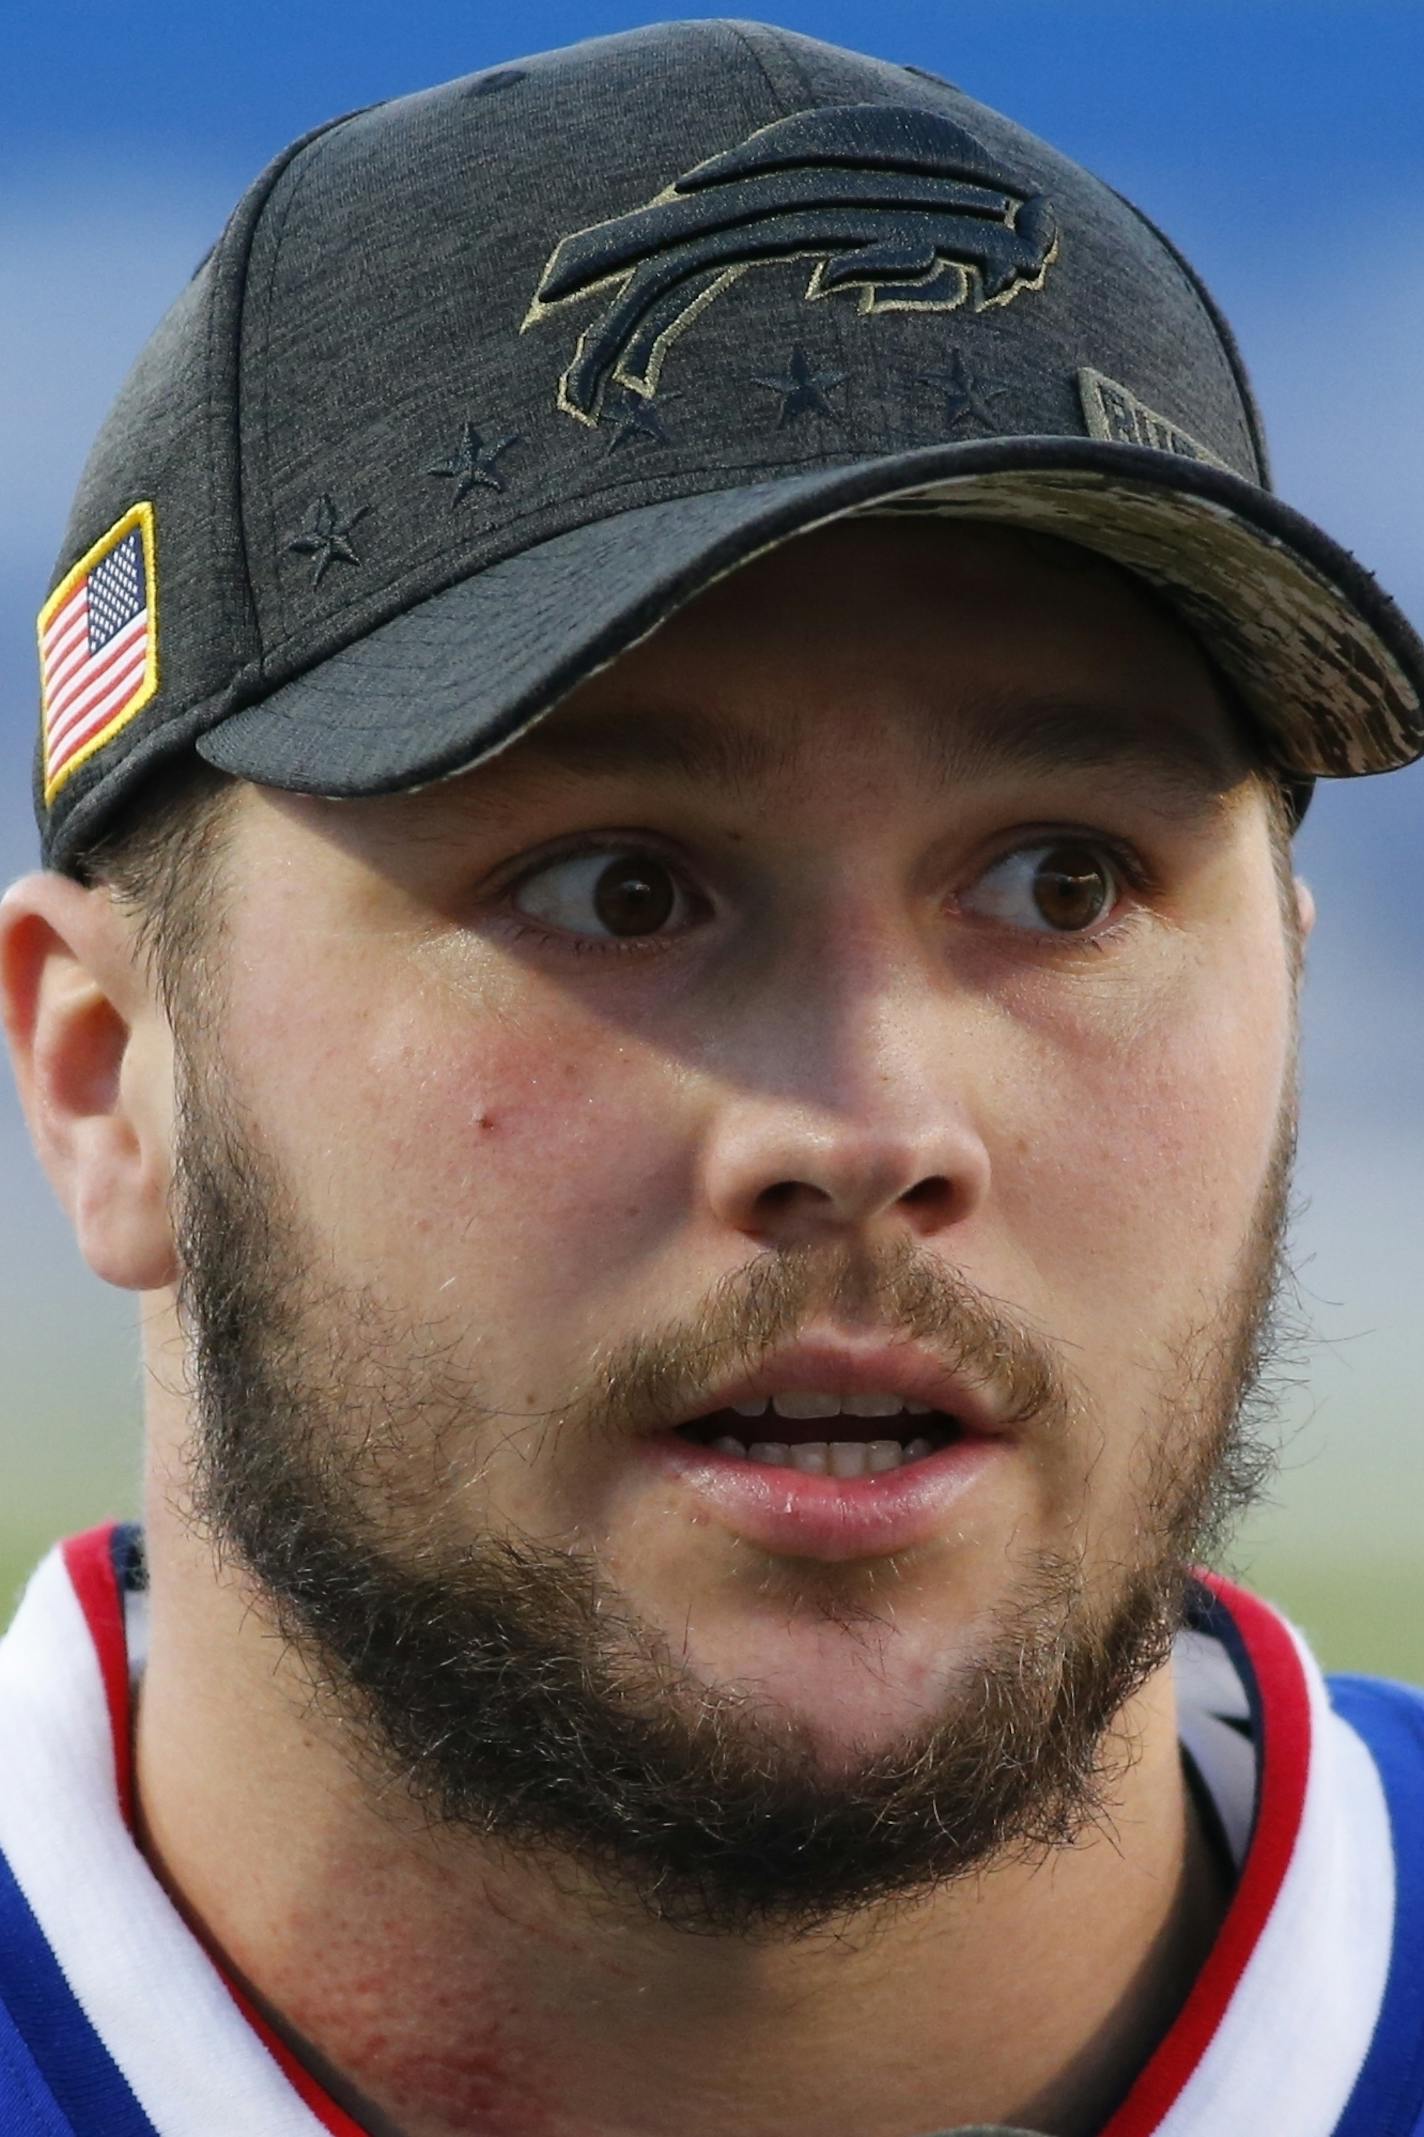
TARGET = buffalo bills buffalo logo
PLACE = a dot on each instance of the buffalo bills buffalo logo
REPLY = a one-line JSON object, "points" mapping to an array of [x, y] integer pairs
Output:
{"points": [[901, 206]]}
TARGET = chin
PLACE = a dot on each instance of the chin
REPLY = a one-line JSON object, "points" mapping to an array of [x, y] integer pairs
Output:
{"points": [[844, 1676]]}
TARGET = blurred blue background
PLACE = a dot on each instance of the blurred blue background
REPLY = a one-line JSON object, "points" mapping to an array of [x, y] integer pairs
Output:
{"points": [[1280, 142]]}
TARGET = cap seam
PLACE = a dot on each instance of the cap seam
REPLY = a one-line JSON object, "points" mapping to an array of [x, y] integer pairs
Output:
{"points": [[309, 160], [220, 435], [840, 326], [743, 35], [736, 30], [1226, 335], [257, 198], [214, 432], [1225, 340]]}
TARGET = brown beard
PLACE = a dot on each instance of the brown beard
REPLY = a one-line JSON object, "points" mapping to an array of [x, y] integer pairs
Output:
{"points": [[508, 1687]]}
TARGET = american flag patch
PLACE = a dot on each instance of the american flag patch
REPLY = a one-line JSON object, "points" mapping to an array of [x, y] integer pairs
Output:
{"points": [[98, 647]]}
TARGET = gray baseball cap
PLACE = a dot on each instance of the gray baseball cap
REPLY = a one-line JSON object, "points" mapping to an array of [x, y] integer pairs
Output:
{"points": [[480, 385]]}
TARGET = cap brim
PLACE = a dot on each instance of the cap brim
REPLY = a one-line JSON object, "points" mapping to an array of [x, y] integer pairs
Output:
{"points": [[1324, 660]]}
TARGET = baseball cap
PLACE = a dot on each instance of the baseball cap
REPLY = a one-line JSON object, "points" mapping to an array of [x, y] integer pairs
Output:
{"points": [[478, 386]]}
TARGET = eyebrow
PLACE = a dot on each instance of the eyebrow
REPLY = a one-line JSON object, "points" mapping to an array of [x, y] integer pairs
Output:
{"points": [[1182, 765]]}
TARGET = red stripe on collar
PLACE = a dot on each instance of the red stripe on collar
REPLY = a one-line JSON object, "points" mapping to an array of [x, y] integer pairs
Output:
{"points": [[89, 1561], [1284, 1752]]}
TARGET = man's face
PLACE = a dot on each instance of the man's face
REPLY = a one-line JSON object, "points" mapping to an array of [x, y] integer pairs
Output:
{"points": [[882, 966]]}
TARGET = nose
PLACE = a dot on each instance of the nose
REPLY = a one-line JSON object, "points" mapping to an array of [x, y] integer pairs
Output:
{"points": [[793, 1182], [854, 1116]]}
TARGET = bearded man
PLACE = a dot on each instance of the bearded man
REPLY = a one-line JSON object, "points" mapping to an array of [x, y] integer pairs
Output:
{"points": [[673, 714]]}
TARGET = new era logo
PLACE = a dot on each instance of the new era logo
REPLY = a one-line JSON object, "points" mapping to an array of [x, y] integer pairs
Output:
{"points": [[1115, 413], [98, 647]]}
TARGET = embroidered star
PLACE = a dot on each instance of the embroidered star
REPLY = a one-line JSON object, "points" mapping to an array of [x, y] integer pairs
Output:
{"points": [[638, 418], [803, 390], [328, 538], [472, 464], [965, 399]]}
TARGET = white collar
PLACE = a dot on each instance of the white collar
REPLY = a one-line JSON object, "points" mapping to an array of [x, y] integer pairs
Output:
{"points": [[1270, 2039]]}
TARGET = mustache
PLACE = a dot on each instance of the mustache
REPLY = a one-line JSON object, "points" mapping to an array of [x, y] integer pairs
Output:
{"points": [[899, 1295], [893, 1293]]}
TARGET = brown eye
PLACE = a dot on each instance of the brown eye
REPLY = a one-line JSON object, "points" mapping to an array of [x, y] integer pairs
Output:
{"points": [[603, 894], [633, 897], [1071, 888], [1063, 888]]}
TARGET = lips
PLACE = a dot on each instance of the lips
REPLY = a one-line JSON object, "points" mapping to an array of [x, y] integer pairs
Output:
{"points": [[861, 1380], [870, 1436], [796, 1514], [822, 1458], [781, 1489]]}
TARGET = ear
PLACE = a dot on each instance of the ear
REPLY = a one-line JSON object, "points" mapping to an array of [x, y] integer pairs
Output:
{"points": [[93, 1059], [1305, 907]]}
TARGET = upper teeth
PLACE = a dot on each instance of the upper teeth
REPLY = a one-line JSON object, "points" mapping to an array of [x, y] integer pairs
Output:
{"points": [[818, 1405]]}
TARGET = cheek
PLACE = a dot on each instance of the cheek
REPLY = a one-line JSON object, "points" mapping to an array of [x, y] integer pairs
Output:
{"points": [[1135, 1161], [454, 1140]]}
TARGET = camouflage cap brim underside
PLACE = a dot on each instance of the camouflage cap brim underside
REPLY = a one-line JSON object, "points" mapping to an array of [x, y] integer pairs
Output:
{"points": [[1326, 691]]}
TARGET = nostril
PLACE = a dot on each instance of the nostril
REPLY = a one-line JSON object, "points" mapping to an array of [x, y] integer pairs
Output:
{"points": [[784, 1194], [931, 1203], [803, 1183], [934, 1200], [929, 1194]]}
